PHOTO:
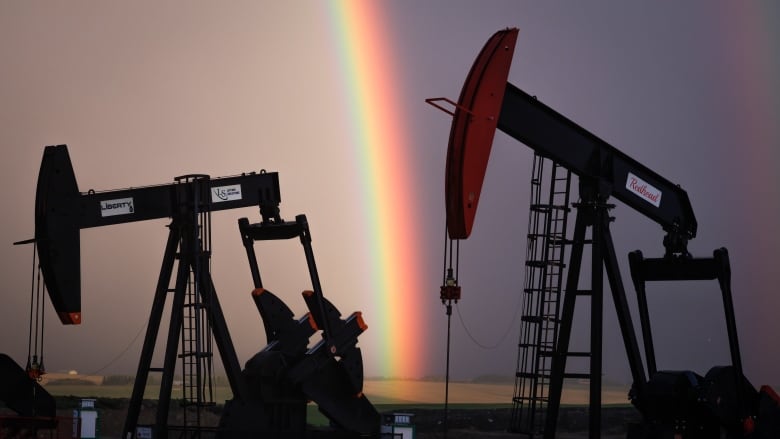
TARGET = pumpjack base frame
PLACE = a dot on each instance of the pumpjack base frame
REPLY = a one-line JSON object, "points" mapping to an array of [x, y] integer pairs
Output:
{"points": [[593, 212], [182, 254], [329, 373]]}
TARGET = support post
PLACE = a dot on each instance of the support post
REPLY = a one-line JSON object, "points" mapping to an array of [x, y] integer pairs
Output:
{"points": [[596, 319], [593, 212], [155, 317], [630, 341], [172, 346], [180, 237], [558, 367]]}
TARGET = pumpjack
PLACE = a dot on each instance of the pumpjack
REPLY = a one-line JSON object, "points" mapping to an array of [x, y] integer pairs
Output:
{"points": [[672, 404], [271, 392]]}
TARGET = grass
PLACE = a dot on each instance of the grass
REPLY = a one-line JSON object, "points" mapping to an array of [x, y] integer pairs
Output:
{"points": [[382, 403], [379, 392], [152, 391], [387, 396], [402, 392]]}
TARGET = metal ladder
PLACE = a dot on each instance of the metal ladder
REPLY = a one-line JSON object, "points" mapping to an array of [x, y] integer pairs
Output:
{"points": [[197, 352], [197, 359], [544, 265]]}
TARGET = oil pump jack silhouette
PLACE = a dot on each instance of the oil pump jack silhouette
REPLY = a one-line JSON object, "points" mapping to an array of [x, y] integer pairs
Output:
{"points": [[271, 392], [672, 403]]}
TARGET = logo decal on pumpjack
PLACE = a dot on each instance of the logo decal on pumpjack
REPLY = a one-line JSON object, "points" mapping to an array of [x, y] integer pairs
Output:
{"points": [[226, 193], [643, 190], [119, 206]]}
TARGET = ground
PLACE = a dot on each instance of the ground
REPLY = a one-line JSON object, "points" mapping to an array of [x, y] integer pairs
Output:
{"points": [[476, 410], [429, 422], [486, 423]]}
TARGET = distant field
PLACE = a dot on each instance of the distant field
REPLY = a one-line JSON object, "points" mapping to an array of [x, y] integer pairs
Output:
{"points": [[386, 395], [380, 392], [123, 391]]}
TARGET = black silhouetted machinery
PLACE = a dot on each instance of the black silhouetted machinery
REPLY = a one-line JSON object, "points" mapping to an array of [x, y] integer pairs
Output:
{"points": [[15, 390], [271, 393], [673, 404]]}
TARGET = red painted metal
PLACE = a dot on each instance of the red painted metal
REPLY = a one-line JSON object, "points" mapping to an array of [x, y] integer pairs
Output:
{"points": [[473, 127]]}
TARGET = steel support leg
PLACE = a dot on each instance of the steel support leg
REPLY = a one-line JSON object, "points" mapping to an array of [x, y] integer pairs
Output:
{"points": [[621, 308], [155, 317], [172, 347], [227, 351], [558, 367], [596, 322]]}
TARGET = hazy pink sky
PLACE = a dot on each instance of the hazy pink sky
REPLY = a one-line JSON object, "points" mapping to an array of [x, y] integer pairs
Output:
{"points": [[145, 91]]}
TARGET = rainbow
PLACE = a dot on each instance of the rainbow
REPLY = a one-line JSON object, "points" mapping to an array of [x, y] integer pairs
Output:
{"points": [[753, 58], [382, 149], [750, 54]]}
